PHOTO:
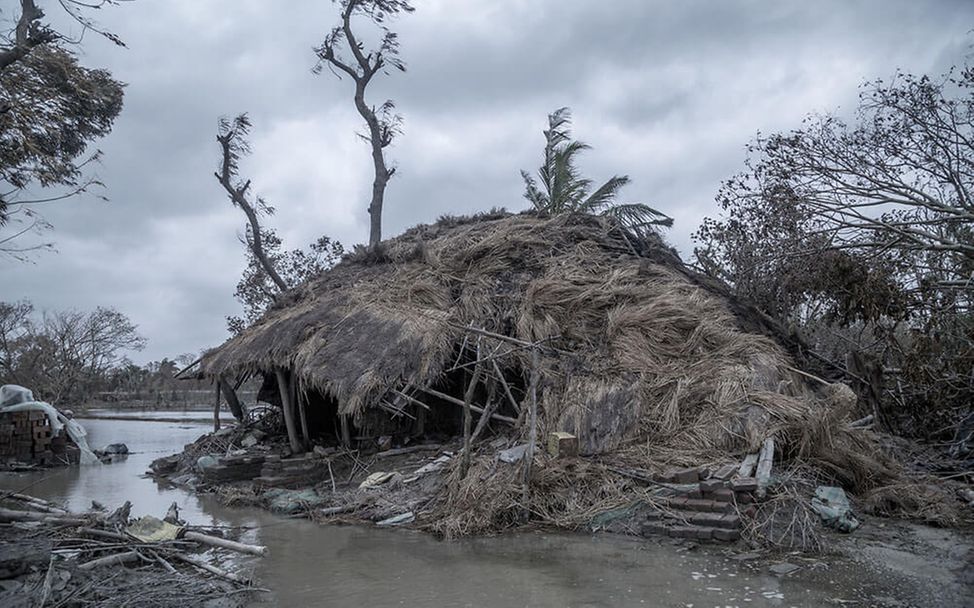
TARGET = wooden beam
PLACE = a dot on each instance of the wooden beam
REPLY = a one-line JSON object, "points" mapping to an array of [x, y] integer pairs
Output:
{"points": [[292, 433], [459, 402], [231, 396]]}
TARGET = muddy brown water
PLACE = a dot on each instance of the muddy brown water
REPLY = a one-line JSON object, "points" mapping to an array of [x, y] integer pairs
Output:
{"points": [[312, 565]]}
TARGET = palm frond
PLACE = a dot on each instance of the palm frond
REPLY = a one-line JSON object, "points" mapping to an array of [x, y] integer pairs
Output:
{"points": [[605, 195], [560, 187], [637, 217], [531, 192]]}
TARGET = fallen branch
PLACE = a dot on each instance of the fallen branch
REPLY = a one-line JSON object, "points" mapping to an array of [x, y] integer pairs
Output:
{"points": [[210, 568], [111, 560], [224, 543]]}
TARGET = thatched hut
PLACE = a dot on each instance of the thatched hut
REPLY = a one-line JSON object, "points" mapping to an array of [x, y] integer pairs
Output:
{"points": [[643, 360]]}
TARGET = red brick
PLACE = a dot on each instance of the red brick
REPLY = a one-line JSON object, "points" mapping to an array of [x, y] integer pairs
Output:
{"points": [[730, 520], [686, 476], [707, 519], [723, 495], [727, 535], [682, 532], [748, 484], [725, 472], [654, 530], [703, 533], [712, 485]]}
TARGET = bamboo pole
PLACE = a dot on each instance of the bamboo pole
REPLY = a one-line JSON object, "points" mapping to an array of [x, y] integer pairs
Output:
{"points": [[292, 433], [532, 434], [459, 402], [468, 415], [507, 388], [492, 403]]}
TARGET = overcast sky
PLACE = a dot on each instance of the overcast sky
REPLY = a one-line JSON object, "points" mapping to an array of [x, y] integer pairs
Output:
{"points": [[666, 92]]}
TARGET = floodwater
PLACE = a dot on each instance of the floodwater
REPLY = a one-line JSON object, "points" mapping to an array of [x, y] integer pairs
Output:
{"points": [[336, 566]]}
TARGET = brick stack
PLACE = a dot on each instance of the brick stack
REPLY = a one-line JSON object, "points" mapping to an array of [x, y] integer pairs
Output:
{"points": [[703, 506], [27, 437], [297, 472], [234, 468]]}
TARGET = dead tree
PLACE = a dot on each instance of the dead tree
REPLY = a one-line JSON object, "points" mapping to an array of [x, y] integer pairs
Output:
{"points": [[383, 123], [233, 142]]}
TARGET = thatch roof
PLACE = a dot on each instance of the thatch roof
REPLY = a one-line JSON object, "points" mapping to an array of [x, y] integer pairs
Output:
{"points": [[642, 345], [644, 360]]}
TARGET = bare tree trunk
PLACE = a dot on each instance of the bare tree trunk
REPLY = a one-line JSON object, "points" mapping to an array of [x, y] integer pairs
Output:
{"points": [[239, 197], [283, 386], [382, 172]]}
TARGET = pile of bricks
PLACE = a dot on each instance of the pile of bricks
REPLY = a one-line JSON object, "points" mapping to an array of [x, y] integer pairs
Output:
{"points": [[27, 437], [235, 468], [294, 472], [703, 505]]}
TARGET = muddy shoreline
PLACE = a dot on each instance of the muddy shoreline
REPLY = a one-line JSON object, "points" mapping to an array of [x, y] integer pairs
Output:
{"points": [[885, 562]]}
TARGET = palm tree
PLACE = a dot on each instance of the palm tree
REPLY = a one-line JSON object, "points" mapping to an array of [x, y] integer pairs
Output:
{"points": [[563, 190]]}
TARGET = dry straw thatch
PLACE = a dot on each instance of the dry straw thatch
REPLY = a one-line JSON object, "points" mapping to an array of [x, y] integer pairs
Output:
{"points": [[648, 363]]}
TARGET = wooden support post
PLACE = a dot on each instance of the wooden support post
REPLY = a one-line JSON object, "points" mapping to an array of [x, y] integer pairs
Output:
{"points": [[231, 396], [532, 434], [292, 433], [420, 421], [346, 432], [216, 409], [468, 415], [298, 396]]}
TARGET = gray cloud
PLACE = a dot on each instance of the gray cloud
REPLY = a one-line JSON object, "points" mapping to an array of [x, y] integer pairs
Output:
{"points": [[666, 92]]}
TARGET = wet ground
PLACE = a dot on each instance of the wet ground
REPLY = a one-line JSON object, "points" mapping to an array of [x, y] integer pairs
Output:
{"points": [[312, 565]]}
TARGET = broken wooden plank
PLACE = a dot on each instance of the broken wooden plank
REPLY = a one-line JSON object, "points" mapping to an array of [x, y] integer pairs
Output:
{"points": [[765, 460], [747, 467]]}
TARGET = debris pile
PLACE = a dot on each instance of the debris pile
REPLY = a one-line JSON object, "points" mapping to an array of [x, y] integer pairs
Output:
{"points": [[50, 557]]}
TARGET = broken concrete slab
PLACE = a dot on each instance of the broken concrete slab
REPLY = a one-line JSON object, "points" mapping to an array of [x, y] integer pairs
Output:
{"points": [[783, 569], [512, 455]]}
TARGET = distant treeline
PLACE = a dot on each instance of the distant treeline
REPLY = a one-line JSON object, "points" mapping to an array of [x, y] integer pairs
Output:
{"points": [[72, 358]]}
